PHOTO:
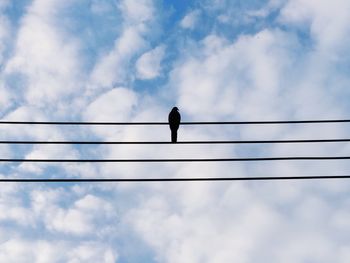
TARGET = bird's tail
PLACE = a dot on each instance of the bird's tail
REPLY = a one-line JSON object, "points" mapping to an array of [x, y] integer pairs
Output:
{"points": [[173, 136]]}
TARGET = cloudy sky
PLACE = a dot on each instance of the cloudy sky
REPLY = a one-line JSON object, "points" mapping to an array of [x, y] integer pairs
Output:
{"points": [[133, 60]]}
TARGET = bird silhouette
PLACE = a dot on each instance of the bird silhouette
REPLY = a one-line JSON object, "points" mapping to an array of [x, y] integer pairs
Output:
{"points": [[174, 123]]}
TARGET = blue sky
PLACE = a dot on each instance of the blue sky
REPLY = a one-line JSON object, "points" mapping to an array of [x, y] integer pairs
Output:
{"points": [[133, 60]]}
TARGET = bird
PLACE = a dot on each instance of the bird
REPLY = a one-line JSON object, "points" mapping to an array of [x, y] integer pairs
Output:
{"points": [[174, 123]]}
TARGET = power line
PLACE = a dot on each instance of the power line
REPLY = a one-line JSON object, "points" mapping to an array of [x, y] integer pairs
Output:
{"points": [[181, 142], [182, 123], [289, 158], [193, 179]]}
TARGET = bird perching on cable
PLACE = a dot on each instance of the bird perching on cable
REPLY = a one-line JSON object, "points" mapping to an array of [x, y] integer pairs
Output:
{"points": [[174, 123]]}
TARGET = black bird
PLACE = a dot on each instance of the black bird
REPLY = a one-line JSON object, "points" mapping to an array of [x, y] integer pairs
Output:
{"points": [[174, 123]]}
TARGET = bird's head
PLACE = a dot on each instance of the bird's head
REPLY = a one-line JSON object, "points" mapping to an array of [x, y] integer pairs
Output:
{"points": [[175, 109]]}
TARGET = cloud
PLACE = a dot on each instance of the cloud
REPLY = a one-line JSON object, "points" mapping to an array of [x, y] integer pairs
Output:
{"points": [[137, 11], [40, 206], [176, 234], [91, 253], [269, 74], [15, 214], [214, 83], [114, 105], [5, 98], [47, 58], [190, 20], [80, 219], [148, 66], [21, 250], [249, 15], [326, 21], [113, 67], [285, 67], [4, 3], [12, 208], [4, 35]]}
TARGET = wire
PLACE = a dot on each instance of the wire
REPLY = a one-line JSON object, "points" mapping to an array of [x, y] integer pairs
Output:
{"points": [[179, 142], [193, 179], [182, 123], [289, 158]]}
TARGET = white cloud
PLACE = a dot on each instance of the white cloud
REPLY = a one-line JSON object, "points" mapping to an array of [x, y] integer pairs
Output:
{"points": [[16, 214], [43, 251], [190, 20], [46, 57], [92, 204], [265, 75], [12, 208], [215, 82], [114, 105], [30, 113], [148, 66], [113, 67], [5, 98], [236, 221], [91, 253], [137, 11], [72, 221], [4, 35], [79, 219], [244, 14], [327, 21], [205, 229], [4, 4]]}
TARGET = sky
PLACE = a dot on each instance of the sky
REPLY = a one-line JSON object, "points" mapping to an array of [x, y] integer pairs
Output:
{"points": [[133, 60]]}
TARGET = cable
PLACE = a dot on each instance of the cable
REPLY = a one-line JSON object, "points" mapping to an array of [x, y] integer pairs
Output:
{"points": [[179, 142], [182, 123], [193, 179], [289, 158]]}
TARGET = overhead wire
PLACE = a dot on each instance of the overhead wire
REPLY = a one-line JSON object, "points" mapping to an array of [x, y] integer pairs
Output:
{"points": [[248, 159], [182, 142], [182, 123], [183, 179]]}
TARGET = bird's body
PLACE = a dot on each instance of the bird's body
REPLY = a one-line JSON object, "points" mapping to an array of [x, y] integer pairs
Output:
{"points": [[174, 123]]}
